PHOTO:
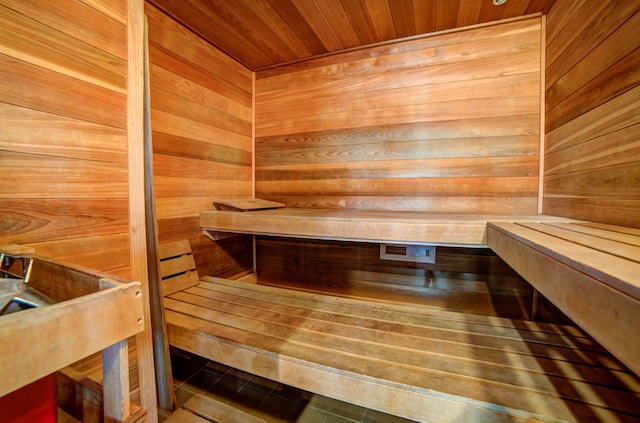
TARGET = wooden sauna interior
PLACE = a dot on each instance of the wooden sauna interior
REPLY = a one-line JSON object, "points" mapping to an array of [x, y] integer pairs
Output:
{"points": [[424, 106]]}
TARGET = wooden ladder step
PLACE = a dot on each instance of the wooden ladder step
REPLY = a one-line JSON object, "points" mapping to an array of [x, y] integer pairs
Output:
{"points": [[219, 412]]}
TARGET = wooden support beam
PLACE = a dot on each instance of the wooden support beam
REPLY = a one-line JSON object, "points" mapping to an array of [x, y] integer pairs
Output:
{"points": [[115, 381], [137, 238]]}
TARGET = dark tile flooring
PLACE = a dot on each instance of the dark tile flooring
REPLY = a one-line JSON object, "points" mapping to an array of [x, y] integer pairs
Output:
{"points": [[270, 400]]}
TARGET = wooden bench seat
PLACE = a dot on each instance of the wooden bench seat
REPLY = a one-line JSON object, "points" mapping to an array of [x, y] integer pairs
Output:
{"points": [[590, 271], [363, 225], [417, 362]]}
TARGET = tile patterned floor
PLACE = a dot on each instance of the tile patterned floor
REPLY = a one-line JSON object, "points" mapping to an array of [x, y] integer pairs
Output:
{"points": [[270, 400]]}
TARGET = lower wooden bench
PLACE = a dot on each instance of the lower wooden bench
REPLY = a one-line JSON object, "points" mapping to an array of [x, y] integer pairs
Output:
{"points": [[417, 362]]}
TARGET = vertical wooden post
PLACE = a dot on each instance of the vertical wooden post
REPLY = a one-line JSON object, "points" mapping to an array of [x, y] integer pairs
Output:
{"points": [[164, 380], [115, 382], [543, 110], [137, 233]]}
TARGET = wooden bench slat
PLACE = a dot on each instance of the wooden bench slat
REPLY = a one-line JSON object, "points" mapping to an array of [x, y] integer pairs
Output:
{"points": [[585, 228], [467, 323], [179, 283], [609, 247], [612, 228], [617, 272], [412, 343], [173, 249], [380, 358], [363, 368], [431, 333], [177, 265], [362, 225]]}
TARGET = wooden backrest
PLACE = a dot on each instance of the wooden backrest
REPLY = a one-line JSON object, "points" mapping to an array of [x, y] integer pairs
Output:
{"points": [[177, 267]]}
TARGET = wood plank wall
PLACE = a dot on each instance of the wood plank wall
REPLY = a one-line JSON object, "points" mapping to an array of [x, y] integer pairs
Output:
{"points": [[448, 123], [592, 154], [63, 140], [201, 117]]}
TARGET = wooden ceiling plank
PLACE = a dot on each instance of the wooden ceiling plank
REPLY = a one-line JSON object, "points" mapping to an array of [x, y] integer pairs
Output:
{"points": [[468, 12], [539, 6], [425, 16], [310, 11], [335, 14], [489, 12], [291, 15], [360, 19], [446, 14], [198, 17], [515, 8], [263, 32], [380, 13], [270, 18], [403, 17]]}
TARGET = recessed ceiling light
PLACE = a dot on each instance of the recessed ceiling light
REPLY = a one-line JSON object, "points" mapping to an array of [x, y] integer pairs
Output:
{"points": [[499, 2]]}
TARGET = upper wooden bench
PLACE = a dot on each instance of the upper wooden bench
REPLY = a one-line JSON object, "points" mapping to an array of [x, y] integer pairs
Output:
{"points": [[590, 271], [362, 225]]}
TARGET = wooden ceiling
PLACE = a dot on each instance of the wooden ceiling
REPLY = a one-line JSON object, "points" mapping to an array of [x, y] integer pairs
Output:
{"points": [[267, 33]]}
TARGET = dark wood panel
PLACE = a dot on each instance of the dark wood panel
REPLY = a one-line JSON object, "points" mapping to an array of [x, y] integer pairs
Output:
{"points": [[611, 149], [593, 78], [390, 150], [407, 127], [30, 176], [26, 221], [596, 91], [622, 211], [40, 44], [171, 103], [405, 168], [618, 181], [470, 280], [108, 253], [174, 145], [436, 204], [522, 128], [34, 87], [166, 32], [588, 32], [388, 187], [33, 132], [266, 34], [79, 20]]}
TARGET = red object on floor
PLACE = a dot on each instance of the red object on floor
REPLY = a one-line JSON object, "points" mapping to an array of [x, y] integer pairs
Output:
{"points": [[34, 403]]}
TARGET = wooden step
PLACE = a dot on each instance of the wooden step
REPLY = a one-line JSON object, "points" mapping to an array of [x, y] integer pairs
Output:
{"points": [[219, 412]]}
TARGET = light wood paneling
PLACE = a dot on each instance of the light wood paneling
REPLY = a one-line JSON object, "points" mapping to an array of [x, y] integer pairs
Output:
{"points": [[202, 136], [446, 124], [592, 156], [263, 34], [63, 145]]}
